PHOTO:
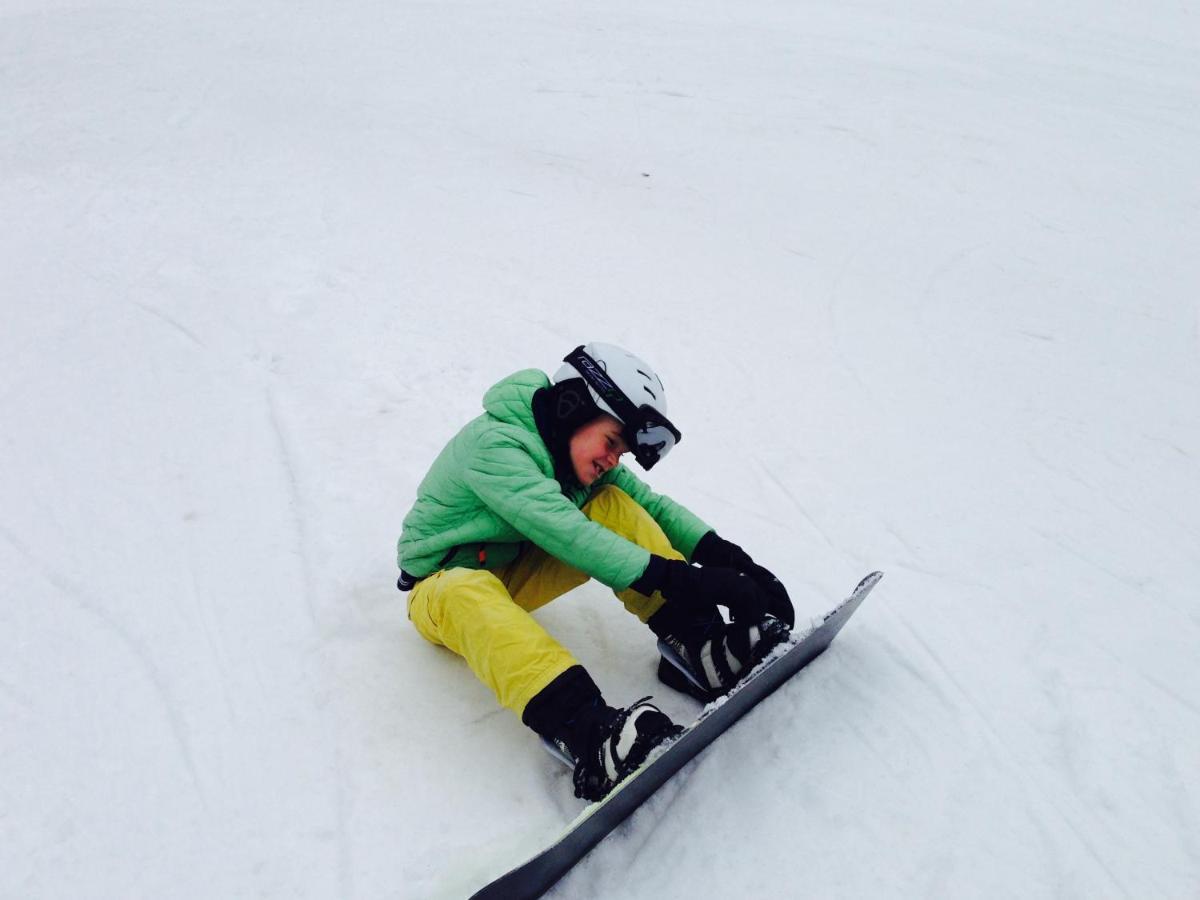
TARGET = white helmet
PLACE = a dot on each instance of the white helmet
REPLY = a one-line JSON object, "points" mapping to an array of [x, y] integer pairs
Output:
{"points": [[626, 388]]}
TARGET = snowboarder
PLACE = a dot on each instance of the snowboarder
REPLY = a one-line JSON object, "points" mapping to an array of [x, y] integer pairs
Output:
{"points": [[529, 501]]}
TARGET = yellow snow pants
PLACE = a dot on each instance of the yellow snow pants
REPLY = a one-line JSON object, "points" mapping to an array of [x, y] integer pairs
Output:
{"points": [[484, 616]]}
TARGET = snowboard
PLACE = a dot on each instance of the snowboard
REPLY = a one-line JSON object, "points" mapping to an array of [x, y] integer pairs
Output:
{"points": [[537, 875]]}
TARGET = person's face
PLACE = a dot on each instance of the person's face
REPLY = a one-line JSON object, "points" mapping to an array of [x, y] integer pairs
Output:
{"points": [[596, 448]]}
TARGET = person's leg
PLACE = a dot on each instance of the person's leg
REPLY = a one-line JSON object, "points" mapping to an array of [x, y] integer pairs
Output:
{"points": [[618, 512], [535, 577], [470, 612]]}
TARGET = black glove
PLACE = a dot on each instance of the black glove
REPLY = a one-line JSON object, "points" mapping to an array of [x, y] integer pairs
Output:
{"points": [[714, 550], [707, 587]]}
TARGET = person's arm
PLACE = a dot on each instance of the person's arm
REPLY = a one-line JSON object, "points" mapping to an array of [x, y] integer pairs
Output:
{"points": [[699, 543], [683, 528], [508, 480]]}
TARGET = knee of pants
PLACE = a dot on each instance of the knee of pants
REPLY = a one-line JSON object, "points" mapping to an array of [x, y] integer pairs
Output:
{"points": [[620, 513], [607, 498]]}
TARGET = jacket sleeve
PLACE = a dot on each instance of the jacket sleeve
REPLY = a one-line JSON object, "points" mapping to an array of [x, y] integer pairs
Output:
{"points": [[508, 481], [682, 527]]}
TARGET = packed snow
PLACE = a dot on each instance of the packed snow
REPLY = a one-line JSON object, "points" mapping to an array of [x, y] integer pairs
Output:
{"points": [[923, 283]]}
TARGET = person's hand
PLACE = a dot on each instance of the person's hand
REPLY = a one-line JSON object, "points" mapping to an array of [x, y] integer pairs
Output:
{"points": [[709, 586], [714, 550]]}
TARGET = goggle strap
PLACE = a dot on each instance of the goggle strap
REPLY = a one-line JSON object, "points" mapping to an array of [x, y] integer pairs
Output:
{"points": [[598, 380], [632, 416]]}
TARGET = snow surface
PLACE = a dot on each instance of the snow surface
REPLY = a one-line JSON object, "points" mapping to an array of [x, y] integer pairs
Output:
{"points": [[922, 280]]}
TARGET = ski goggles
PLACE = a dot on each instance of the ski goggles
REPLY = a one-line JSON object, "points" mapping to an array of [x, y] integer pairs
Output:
{"points": [[649, 434]]}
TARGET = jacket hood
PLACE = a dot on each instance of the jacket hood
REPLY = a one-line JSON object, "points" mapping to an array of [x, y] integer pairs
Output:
{"points": [[511, 399]]}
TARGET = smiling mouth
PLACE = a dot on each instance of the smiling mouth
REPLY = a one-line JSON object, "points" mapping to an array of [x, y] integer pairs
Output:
{"points": [[599, 471]]}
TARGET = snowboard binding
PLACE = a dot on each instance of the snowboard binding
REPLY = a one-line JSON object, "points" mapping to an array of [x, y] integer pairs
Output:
{"points": [[710, 668]]}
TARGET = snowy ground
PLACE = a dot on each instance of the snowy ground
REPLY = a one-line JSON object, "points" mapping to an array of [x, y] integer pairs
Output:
{"points": [[922, 280]]}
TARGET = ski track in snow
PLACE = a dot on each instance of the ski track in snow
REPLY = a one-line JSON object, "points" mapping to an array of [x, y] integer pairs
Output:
{"points": [[795, 503], [295, 504], [175, 324], [92, 606], [1009, 759]]}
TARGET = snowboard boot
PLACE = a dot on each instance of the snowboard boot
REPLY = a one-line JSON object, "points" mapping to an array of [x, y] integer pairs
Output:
{"points": [[706, 657], [601, 743], [616, 748]]}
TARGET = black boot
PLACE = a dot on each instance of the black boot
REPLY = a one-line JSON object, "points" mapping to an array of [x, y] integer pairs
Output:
{"points": [[606, 744]]}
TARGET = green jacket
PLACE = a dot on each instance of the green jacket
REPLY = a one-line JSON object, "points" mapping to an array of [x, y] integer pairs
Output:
{"points": [[493, 488]]}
